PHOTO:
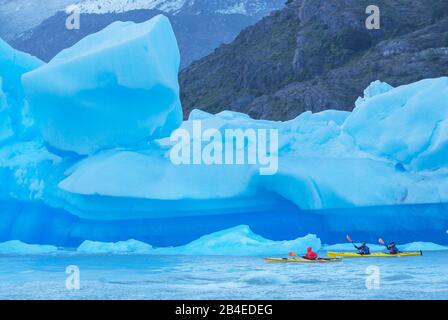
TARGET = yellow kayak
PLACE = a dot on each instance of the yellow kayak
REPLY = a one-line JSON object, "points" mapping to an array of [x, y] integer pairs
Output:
{"points": [[321, 260], [373, 255]]}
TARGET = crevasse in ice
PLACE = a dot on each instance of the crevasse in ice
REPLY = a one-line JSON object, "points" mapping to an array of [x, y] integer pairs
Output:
{"points": [[112, 100]]}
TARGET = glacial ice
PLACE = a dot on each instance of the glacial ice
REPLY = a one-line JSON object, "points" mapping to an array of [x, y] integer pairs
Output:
{"points": [[100, 168], [334, 171], [122, 247], [14, 114], [241, 241], [17, 247], [13, 64], [423, 246], [5, 121], [237, 241], [115, 88], [374, 89], [407, 125]]}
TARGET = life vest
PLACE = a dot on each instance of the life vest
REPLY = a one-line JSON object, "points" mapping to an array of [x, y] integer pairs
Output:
{"points": [[310, 254], [393, 250], [364, 250]]}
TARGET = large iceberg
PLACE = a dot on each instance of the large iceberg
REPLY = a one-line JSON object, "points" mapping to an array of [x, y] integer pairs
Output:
{"points": [[5, 121], [322, 163], [112, 101], [115, 88]]}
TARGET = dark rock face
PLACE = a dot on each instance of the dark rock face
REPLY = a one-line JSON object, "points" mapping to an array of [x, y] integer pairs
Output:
{"points": [[316, 55]]}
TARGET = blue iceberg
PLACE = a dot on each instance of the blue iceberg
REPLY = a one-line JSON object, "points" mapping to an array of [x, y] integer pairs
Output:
{"points": [[86, 156], [115, 88]]}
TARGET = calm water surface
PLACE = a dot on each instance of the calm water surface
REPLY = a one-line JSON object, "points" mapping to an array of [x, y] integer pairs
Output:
{"points": [[185, 277]]}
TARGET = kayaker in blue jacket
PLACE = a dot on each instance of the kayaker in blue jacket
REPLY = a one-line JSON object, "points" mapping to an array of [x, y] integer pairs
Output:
{"points": [[363, 249], [392, 247]]}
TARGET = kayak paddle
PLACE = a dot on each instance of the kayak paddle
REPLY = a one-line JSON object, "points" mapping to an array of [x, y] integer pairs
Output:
{"points": [[293, 254], [381, 241], [350, 240]]}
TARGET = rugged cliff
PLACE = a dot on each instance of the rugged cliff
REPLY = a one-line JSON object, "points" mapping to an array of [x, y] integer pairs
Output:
{"points": [[318, 54]]}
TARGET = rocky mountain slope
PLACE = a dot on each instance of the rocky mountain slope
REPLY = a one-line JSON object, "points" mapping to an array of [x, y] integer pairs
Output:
{"points": [[18, 16], [200, 25], [316, 55]]}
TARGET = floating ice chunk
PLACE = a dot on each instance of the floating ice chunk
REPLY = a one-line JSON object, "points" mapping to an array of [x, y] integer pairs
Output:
{"points": [[238, 241], [16, 247], [241, 241], [422, 246], [115, 88], [122, 247]]}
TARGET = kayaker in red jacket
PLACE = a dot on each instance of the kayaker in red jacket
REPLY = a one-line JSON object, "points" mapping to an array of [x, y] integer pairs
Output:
{"points": [[310, 254]]}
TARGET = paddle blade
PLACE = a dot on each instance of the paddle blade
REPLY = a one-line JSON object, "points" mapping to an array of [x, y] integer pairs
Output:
{"points": [[381, 241], [349, 239], [292, 254]]}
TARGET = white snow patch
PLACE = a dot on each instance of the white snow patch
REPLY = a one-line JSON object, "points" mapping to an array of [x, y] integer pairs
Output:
{"points": [[118, 6]]}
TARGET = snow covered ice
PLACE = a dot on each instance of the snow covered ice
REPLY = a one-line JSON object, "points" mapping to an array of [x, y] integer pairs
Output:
{"points": [[85, 145]]}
